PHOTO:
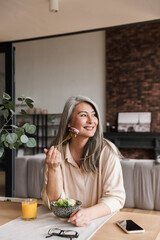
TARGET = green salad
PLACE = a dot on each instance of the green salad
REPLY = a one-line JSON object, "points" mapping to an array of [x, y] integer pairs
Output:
{"points": [[67, 202]]}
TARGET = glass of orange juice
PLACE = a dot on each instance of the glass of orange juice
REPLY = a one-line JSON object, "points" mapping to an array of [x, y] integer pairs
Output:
{"points": [[29, 209]]}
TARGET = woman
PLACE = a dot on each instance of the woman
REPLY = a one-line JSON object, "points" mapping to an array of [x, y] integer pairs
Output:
{"points": [[86, 167]]}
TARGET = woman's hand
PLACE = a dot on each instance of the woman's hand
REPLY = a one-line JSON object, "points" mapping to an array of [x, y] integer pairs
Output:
{"points": [[54, 177], [53, 158], [83, 216], [80, 218]]}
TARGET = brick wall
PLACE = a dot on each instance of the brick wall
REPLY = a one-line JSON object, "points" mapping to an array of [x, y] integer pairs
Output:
{"points": [[133, 73]]}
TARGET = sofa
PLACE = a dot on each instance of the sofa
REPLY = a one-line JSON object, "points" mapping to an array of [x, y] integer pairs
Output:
{"points": [[29, 176], [141, 183], [141, 180]]}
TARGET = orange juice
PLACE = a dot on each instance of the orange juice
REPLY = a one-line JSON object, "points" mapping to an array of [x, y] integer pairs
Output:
{"points": [[29, 209]]}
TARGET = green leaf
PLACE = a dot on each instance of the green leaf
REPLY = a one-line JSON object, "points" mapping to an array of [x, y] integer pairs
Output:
{"points": [[23, 112], [6, 144], [19, 132], [1, 151], [1, 107], [30, 128], [31, 143], [11, 146], [21, 98], [3, 137], [25, 125], [6, 113], [12, 111], [30, 105], [6, 96], [17, 144], [24, 139], [14, 126], [5, 104], [11, 105], [29, 102], [11, 138]]}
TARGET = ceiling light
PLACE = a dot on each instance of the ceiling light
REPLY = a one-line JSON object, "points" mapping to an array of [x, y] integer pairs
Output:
{"points": [[53, 5]]}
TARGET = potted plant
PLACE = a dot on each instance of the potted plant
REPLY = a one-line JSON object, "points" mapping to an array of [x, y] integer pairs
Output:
{"points": [[13, 136]]}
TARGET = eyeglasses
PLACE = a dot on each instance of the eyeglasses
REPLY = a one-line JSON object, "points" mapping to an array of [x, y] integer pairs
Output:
{"points": [[62, 233]]}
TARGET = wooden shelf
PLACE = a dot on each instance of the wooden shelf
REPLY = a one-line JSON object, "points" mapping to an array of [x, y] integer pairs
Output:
{"points": [[45, 125]]}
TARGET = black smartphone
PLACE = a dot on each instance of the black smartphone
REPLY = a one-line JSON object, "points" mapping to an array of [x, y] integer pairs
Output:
{"points": [[130, 226]]}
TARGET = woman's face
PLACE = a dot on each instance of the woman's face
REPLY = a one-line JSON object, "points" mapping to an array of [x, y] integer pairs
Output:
{"points": [[84, 119]]}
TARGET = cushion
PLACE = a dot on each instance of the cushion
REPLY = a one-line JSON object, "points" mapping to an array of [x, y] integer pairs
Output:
{"points": [[143, 188], [35, 176], [128, 170], [21, 177]]}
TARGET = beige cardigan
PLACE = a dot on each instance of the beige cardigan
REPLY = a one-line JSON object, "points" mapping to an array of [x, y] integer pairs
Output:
{"points": [[106, 185]]}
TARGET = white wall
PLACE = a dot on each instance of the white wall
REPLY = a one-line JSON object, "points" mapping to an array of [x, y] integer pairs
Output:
{"points": [[51, 70]]}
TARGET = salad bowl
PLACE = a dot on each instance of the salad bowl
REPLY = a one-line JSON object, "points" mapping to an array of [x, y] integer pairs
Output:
{"points": [[63, 208]]}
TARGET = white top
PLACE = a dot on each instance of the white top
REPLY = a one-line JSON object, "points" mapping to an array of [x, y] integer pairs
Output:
{"points": [[106, 185]]}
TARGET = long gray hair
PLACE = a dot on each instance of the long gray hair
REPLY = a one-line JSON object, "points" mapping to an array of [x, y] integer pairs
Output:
{"points": [[92, 149]]}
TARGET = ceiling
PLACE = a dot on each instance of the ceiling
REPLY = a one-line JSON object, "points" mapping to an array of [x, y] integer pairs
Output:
{"points": [[26, 19]]}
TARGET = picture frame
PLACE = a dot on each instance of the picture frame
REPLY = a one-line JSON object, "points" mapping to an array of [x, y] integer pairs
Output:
{"points": [[134, 122]]}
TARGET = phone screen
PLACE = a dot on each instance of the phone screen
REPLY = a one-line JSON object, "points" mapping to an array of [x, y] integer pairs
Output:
{"points": [[130, 226]]}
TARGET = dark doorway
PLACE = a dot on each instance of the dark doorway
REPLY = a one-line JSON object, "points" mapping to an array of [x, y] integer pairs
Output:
{"points": [[7, 84]]}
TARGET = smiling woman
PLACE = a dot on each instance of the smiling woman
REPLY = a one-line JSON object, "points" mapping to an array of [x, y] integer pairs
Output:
{"points": [[86, 167], [85, 120]]}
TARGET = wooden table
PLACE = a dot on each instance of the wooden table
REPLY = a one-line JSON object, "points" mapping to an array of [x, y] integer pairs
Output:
{"points": [[9, 211], [109, 231]]}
